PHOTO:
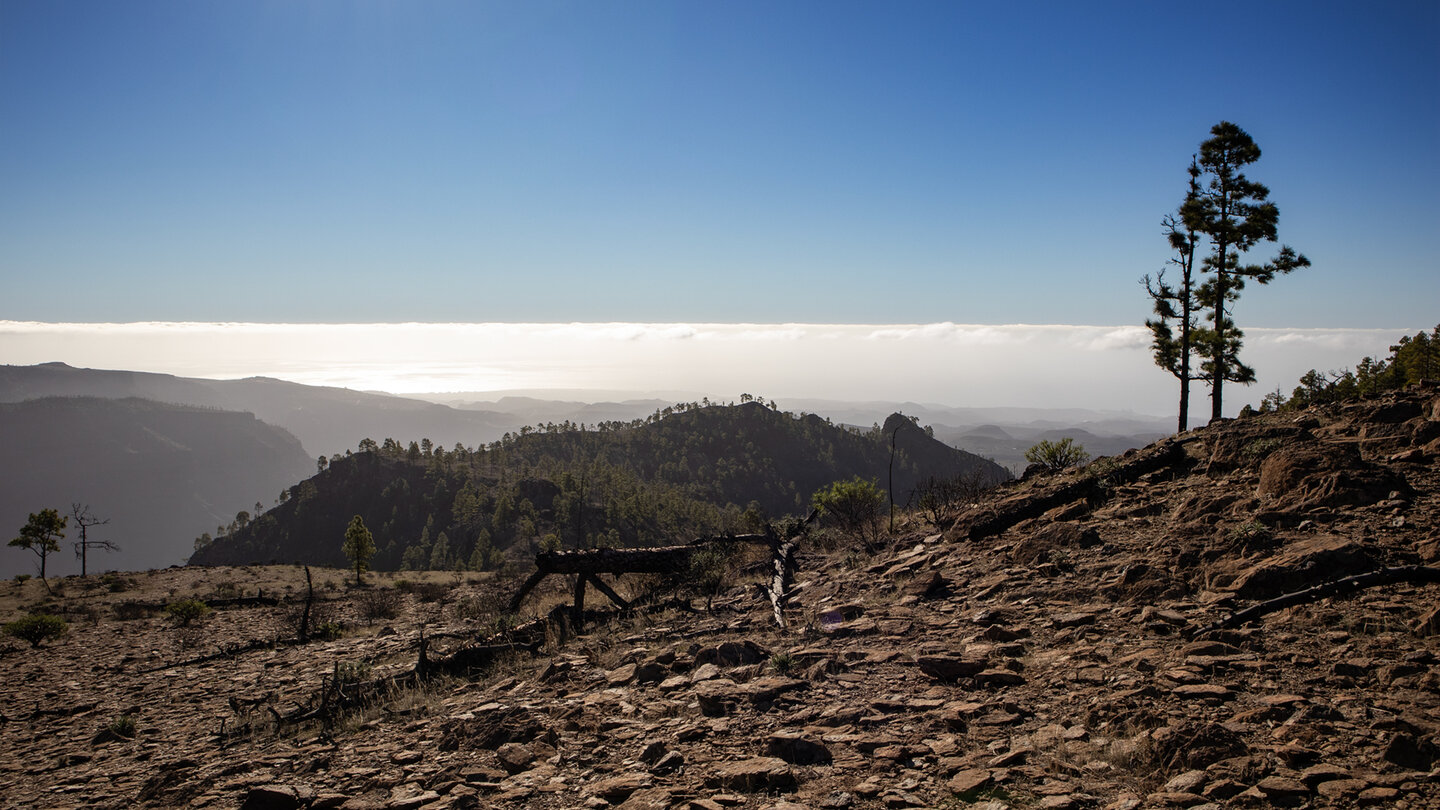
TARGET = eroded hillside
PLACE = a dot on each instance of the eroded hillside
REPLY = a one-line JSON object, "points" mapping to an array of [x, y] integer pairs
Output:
{"points": [[1043, 649]]}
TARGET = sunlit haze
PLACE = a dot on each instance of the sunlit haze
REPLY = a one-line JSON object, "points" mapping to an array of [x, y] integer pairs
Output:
{"points": [[942, 363]]}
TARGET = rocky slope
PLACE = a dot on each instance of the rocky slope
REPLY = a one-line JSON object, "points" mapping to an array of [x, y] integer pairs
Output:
{"points": [[1043, 649]]}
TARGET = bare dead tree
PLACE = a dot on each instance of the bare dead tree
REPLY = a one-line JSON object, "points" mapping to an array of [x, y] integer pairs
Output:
{"points": [[85, 519]]}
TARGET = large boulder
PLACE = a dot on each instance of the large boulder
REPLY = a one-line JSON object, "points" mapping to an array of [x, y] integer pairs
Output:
{"points": [[753, 775], [1303, 563], [1313, 476]]}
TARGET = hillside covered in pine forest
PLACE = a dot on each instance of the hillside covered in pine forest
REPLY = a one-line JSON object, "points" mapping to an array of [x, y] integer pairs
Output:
{"points": [[683, 472]]}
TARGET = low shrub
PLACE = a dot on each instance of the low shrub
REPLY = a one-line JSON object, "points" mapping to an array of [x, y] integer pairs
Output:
{"points": [[185, 611], [327, 631], [127, 611], [37, 628], [123, 726], [1057, 455], [782, 663], [348, 672], [227, 589], [431, 591], [379, 604]]}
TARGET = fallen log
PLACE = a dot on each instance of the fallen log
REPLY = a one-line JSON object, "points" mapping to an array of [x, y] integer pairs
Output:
{"points": [[1417, 574], [587, 564]]}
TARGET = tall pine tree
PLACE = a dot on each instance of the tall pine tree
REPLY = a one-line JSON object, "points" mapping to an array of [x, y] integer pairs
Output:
{"points": [[1236, 214], [1179, 303]]}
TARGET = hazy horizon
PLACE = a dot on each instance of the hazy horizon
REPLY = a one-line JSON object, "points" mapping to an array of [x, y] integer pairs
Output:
{"points": [[955, 365]]}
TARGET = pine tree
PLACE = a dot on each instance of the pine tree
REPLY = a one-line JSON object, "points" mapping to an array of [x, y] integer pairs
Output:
{"points": [[440, 554], [1236, 214], [1179, 303], [359, 547], [42, 534]]}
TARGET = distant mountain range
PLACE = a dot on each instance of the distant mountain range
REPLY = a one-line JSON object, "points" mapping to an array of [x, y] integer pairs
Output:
{"points": [[160, 473], [53, 454], [325, 420], [1004, 434], [331, 420]]}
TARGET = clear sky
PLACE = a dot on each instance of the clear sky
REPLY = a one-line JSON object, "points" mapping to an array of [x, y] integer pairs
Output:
{"points": [[685, 162]]}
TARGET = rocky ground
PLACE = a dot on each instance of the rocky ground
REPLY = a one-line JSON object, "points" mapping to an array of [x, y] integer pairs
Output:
{"points": [[1044, 649]]}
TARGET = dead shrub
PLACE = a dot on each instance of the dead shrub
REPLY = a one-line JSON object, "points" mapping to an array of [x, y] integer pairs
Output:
{"points": [[431, 591], [379, 604], [131, 610]]}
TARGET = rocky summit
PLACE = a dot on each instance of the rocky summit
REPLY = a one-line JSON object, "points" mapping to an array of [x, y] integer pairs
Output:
{"points": [[1107, 637]]}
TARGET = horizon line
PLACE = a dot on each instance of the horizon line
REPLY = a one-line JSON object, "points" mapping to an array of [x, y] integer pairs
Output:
{"points": [[9, 323]]}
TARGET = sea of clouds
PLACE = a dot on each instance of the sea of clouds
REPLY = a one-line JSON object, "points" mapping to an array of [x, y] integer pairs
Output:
{"points": [[1042, 365]]}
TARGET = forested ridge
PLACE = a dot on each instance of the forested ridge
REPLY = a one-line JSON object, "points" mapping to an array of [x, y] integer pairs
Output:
{"points": [[689, 470]]}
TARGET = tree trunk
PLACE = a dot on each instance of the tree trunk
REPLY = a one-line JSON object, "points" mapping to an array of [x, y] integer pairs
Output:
{"points": [[1184, 397], [1186, 313], [309, 598], [1217, 374], [659, 560], [577, 613], [1418, 574]]}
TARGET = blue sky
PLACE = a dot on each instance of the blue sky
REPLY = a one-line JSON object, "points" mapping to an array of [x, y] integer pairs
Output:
{"points": [[769, 162]]}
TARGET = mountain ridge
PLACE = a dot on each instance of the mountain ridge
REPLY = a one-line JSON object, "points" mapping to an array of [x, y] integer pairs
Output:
{"points": [[162, 473], [691, 470]]}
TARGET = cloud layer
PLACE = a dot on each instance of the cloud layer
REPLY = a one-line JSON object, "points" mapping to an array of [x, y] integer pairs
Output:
{"points": [[946, 363]]}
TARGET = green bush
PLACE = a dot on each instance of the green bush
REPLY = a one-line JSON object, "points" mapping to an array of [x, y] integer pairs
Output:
{"points": [[782, 662], [227, 589], [185, 611], [37, 628], [351, 672], [327, 631], [854, 506], [709, 566], [1057, 456], [123, 726], [1251, 536]]}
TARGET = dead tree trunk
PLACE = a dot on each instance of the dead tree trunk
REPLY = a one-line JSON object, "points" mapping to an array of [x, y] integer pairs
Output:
{"points": [[784, 566], [1418, 574], [995, 519], [309, 600]]}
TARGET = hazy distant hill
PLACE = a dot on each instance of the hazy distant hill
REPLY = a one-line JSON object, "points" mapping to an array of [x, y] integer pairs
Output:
{"points": [[332, 420], [536, 410], [325, 420], [1004, 434], [163, 474], [689, 471], [1007, 447]]}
